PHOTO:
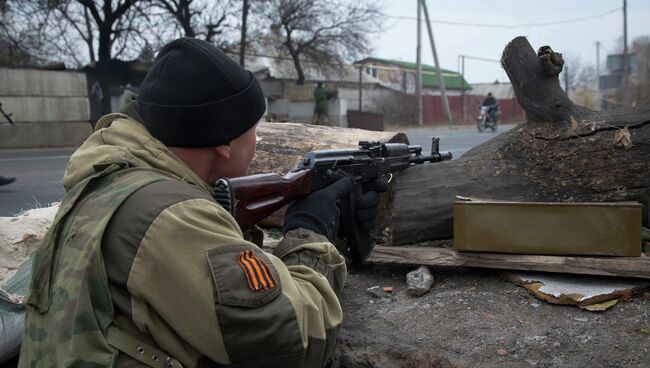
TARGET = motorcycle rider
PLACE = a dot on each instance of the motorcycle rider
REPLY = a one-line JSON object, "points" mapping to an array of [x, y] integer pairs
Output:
{"points": [[492, 104]]}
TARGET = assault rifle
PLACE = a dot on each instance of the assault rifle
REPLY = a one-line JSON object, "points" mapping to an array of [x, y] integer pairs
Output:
{"points": [[252, 198], [7, 116]]}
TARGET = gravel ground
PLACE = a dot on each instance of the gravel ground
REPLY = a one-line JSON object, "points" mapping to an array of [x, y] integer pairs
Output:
{"points": [[473, 318]]}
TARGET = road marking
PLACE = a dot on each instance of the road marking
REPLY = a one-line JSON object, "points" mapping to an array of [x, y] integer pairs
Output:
{"points": [[34, 158]]}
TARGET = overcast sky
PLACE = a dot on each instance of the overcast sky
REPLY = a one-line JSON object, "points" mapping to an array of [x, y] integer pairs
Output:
{"points": [[578, 38]]}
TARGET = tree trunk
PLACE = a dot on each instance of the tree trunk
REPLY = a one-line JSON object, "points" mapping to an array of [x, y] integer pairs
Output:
{"points": [[296, 63], [563, 152]]}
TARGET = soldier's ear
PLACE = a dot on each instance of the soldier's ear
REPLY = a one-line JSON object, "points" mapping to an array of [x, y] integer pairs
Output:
{"points": [[223, 151]]}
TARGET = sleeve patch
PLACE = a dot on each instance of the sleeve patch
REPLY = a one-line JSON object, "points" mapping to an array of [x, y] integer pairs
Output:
{"points": [[257, 272], [243, 276]]}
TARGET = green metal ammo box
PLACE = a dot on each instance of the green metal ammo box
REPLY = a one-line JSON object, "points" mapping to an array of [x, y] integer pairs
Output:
{"points": [[602, 229]]}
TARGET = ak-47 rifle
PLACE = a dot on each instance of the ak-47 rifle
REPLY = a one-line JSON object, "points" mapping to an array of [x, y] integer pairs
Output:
{"points": [[252, 198], [7, 116]]}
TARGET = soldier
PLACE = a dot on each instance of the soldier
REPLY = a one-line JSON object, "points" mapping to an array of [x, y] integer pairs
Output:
{"points": [[321, 97], [141, 267]]}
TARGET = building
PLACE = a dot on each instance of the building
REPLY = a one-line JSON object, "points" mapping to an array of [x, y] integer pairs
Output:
{"points": [[400, 77], [287, 101]]}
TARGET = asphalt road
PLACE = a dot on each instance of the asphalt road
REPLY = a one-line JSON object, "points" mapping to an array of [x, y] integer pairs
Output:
{"points": [[38, 172]]}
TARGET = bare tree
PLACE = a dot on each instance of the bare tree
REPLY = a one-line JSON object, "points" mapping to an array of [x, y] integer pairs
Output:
{"points": [[19, 39], [579, 73], [205, 19], [323, 32], [108, 28], [397, 107]]}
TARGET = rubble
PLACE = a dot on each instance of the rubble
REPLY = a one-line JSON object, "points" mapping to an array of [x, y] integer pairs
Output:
{"points": [[377, 292], [419, 281]]}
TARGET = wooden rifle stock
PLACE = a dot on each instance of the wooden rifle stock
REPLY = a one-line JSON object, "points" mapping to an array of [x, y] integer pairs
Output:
{"points": [[251, 199]]}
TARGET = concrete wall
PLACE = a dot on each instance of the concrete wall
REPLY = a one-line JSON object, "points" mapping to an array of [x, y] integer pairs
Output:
{"points": [[303, 111], [372, 98], [49, 108]]}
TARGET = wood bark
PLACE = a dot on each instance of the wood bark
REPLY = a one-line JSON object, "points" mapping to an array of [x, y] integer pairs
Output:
{"points": [[563, 152]]}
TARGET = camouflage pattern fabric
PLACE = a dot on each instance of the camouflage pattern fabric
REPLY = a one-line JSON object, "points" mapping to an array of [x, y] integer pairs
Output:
{"points": [[70, 306]]}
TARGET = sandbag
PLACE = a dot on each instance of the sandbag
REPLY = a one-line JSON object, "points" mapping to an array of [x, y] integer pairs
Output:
{"points": [[12, 311]]}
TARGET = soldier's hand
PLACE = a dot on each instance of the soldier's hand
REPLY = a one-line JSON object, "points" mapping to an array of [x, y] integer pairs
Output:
{"points": [[319, 211], [367, 205]]}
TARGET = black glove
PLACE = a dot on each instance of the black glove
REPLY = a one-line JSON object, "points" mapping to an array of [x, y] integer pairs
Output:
{"points": [[367, 205], [319, 211]]}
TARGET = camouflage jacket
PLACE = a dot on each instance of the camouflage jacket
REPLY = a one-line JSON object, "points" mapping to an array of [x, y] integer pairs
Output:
{"points": [[179, 276], [321, 97]]}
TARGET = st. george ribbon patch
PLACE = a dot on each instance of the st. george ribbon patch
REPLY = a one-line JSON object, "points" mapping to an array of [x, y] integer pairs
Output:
{"points": [[257, 272]]}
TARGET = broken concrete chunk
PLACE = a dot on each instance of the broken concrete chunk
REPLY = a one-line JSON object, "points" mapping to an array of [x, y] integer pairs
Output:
{"points": [[419, 281], [593, 293], [377, 292]]}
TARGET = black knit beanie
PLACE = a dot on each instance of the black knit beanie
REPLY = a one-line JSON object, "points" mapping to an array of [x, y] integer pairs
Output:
{"points": [[196, 96]]}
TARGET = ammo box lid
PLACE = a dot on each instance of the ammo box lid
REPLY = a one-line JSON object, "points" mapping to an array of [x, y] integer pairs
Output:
{"points": [[549, 228]]}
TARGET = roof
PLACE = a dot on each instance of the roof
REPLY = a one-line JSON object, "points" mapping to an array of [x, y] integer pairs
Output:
{"points": [[283, 68], [452, 79], [500, 91]]}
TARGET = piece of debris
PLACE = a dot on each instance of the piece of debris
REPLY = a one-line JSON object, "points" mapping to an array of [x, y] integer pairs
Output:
{"points": [[593, 293], [419, 281], [622, 138], [574, 124], [642, 329], [535, 305], [377, 292], [502, 352], [388, 289]]}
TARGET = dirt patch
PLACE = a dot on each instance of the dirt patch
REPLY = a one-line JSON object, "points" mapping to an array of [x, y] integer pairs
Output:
{"points": [[473, 318]]}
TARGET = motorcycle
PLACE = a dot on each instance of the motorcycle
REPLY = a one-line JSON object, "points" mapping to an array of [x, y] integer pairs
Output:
{"points": [[487, 120]]}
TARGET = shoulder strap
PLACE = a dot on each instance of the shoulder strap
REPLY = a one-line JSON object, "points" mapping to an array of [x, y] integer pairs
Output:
{"points": [[140, 351]]}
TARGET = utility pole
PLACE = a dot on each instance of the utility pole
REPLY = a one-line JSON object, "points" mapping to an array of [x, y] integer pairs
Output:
{"points": [[418, 70], [242, 42], [625, 56], [441, 81], [598, 64], [462, 88], [360, 87]]}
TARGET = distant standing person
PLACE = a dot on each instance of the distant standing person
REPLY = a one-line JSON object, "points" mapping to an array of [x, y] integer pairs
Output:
{"points": [[321, 97]]}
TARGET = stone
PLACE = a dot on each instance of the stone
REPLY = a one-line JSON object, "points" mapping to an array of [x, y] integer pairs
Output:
{"points": [[419, 281]]}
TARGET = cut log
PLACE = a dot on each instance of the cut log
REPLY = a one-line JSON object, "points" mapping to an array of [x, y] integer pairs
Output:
{"points": [[563, 152]]}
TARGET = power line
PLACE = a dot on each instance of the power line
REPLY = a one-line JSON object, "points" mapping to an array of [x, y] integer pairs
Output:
{"points": [[511, 26]]}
